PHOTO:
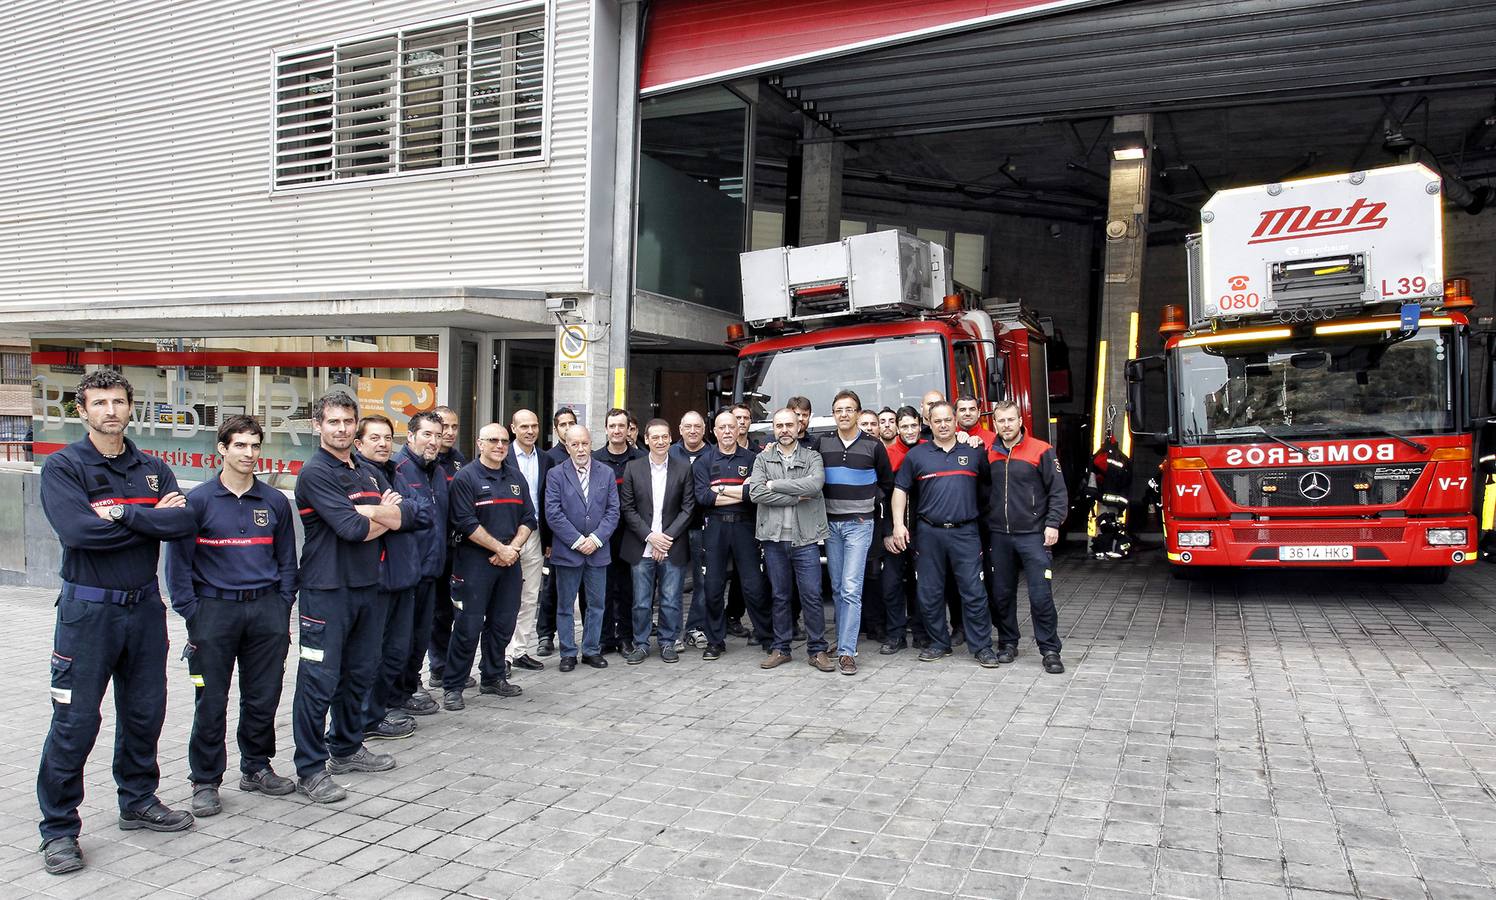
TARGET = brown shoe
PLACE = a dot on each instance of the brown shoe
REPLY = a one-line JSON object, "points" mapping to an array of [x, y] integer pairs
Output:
{"points": [[847, 665], [774, 659], [823, 662]]}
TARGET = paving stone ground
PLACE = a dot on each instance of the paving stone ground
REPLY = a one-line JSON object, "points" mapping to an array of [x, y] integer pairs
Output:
{"points": [[1268, 736]]}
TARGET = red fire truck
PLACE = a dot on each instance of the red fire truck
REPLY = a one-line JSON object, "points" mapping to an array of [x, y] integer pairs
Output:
{"points": [[1316, 406], [876, 313]]}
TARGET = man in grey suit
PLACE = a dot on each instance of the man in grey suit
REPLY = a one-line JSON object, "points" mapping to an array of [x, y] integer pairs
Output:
{"points": [[657, 503], [581, 507]]}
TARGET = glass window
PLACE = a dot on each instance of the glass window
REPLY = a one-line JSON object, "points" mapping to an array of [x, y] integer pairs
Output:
{"points": [[1317, 388], [185, 386], [969, 266], [437, 96], [691, 209], [889, 372], [850, 227], [966, 370]]}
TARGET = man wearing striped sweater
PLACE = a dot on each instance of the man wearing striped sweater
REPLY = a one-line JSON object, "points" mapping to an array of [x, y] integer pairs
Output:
{"points": [[858, 476]]}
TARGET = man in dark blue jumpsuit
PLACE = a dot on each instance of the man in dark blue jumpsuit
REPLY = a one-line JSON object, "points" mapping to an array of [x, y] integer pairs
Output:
{"points": [[719, 476], [111, 506], [618, 614], [419, 477], [952, 478], [234, 583], [492, 512], [399, 573], [450, 460], [345, 508]]}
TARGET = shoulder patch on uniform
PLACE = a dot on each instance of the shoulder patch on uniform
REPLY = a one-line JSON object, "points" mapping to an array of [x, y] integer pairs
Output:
{"points": [[262, 517], [743, 470], [963, 460], [514, 489], [153, 482]]}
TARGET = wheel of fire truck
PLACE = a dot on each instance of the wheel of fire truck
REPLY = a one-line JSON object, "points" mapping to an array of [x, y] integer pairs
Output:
{"points": [[1429, 574]]}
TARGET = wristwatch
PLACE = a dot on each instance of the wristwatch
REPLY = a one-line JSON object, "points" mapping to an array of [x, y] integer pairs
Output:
{"points": [[116, 513]]}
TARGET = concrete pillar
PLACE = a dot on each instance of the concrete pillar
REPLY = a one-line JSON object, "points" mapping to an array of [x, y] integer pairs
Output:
{"points": [[820, 189], [1122, 274], [583, 380]]}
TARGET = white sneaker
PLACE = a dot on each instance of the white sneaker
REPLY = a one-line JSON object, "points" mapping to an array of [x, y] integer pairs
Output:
{"points": [[695, 638], [680, 644]]}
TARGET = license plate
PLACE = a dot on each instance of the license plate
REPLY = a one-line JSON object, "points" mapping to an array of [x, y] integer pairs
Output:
{"points": [[1316, 554]]}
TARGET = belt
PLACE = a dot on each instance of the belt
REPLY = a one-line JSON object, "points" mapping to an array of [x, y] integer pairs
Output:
{"points": [[727, 516], [216, 594], [946, 524], [108, 595]]}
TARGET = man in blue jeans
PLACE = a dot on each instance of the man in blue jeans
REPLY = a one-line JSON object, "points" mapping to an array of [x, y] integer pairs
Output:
{"points": [[786, 485], [858, 476], [581, 508], [657, 502], [1024, 513]]}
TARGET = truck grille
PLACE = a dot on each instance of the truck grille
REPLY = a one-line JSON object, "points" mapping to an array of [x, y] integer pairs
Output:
{"points": [[1315, 486], [1299, 534]]}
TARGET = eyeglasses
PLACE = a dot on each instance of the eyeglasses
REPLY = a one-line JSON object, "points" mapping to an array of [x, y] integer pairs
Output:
{"points": [[493, 440]]}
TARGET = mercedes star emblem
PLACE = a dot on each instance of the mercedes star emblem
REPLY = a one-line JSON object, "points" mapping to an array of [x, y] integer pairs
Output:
{"points": [[1314, 486]]}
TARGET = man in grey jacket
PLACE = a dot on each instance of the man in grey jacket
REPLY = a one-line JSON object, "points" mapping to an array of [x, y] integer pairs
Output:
{"points": [[786, 485]]}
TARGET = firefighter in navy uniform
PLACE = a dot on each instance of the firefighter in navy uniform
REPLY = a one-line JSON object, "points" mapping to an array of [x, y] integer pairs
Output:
{"points": [[345, 508], [490, 510], [234, 582], [450, 461], [401, 556], [1024, 515], [718, 477], [952, 478], [419, 477], [111, 506]]}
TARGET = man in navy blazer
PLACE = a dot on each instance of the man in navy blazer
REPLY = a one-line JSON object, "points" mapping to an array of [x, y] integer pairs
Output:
{"points": [[581, 508]]}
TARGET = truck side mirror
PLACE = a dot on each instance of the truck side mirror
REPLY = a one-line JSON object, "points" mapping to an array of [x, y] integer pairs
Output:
{"points": [[997, 378], [713, 391], [1137, 373]]}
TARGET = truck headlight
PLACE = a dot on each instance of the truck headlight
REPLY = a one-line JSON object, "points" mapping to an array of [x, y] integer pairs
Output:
{"points": [[1447, 537], [1196, 539]]}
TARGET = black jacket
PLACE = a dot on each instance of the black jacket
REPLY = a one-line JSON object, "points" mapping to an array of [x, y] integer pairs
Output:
{"points": [[1028, 490], [636, 506]]}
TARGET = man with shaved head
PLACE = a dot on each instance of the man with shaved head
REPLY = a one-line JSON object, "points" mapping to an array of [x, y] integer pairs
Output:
{"points": [[490, 510], [581, 508], [533, 464], [719, 476], [691, 445]]}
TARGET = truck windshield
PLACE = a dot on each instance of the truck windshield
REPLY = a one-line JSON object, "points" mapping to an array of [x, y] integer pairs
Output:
{"points": [[1317, 387], [890, 372]]}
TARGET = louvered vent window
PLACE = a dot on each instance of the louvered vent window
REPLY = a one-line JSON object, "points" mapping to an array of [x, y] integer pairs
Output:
{"points": [[437, 96]]}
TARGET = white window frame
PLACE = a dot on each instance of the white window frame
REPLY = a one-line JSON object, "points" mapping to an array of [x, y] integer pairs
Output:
{"points": [[545, 8]]}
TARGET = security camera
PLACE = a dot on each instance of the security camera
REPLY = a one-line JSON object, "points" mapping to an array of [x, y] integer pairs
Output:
{"points": [[560, 304]]}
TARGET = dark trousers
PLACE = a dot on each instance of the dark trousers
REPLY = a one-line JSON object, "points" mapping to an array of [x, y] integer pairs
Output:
{"points": [[794, 568], [874, 616], [255, 635], [1008, 552], [726, 542], [618, 609], [545, 616], [485, 606], [341, 633], [93, 644], [894, 589], [422, 608], [441, 620], [384, 694], [696, 614], [956, 552]]}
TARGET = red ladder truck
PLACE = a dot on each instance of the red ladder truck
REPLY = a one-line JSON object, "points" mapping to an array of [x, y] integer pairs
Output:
{"points": [[1315, 407], [876, 313]]}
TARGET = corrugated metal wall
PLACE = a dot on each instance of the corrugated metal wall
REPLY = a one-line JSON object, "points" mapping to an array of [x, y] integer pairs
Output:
{"points": [[138, 163]]}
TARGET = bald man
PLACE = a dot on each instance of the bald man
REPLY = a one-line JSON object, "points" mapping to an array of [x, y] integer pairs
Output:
{"points": [[581, 509]]}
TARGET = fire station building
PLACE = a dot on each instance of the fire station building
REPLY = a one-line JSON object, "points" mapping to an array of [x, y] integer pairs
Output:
{"points": [[496, 205]]}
